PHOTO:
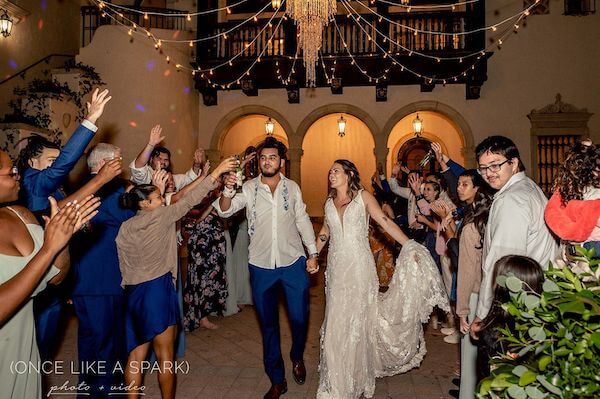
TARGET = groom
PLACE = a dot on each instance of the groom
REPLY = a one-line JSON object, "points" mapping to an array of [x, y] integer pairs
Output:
{"points": [[277, 225]]}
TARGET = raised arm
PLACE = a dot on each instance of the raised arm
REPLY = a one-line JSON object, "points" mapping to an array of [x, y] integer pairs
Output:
{"points": [[155, 138], [386, 223], [48, 180], [172, 213], [179, 194], [109, 171]]}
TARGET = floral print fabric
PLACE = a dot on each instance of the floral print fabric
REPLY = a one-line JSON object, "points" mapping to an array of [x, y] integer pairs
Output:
{"points": [[206, 289]]}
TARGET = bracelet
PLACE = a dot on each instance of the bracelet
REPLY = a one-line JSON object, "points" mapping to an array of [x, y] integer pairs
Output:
{"points": [[419, 197], [228, 192], [313, 255]]}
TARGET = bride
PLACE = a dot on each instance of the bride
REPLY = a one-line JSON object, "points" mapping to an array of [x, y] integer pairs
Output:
{"points": [[366, 334]]}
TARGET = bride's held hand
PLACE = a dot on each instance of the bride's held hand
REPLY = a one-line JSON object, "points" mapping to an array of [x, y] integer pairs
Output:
{"points": [[312, 265]]}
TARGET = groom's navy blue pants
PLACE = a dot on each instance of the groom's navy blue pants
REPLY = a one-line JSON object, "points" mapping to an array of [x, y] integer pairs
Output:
{"points": [[266, 287]]}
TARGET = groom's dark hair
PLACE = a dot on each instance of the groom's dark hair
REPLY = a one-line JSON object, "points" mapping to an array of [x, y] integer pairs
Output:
{"points": [[272, 142]]}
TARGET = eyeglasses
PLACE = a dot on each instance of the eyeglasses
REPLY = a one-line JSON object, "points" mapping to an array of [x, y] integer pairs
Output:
{"points": [[14, 172], [492, 168]]}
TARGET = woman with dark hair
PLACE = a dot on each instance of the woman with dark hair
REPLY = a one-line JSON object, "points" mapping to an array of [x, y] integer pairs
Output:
{"points": [[531, 274], [573, 212], [31, 257], [473, 191], [366, 335], [147, 247]]}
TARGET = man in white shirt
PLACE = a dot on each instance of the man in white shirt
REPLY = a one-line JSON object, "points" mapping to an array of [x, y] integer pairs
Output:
{"points": [[516, 222], [153, 158], [278, 225]]}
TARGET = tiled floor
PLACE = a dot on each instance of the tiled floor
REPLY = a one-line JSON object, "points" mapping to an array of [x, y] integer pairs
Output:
{"points": [[227, 363]]}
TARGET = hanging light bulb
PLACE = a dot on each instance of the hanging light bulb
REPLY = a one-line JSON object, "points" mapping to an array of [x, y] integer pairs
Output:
{"points": [[269, 126], [417, 126], [341, 126], [275, 4]]}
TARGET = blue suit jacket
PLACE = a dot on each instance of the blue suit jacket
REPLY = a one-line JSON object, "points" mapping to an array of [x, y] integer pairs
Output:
{"points": [[38, 185], [94, 259]]}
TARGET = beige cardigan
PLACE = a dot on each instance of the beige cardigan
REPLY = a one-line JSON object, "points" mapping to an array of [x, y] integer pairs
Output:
{"points": [[147, 243], [469, 268]]}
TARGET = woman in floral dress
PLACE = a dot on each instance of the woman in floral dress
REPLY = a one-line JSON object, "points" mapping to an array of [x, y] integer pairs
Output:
{"points": [[206, 290]]}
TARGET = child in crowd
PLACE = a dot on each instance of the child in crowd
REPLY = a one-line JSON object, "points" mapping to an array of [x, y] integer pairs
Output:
{"points": [[531, 274]]}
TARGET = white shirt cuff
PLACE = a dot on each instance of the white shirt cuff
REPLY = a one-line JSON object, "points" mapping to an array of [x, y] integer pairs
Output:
{"points": [[89, 125]]}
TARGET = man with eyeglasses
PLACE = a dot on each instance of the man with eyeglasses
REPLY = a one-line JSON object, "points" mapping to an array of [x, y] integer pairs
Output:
{"points": [[516, 222]]}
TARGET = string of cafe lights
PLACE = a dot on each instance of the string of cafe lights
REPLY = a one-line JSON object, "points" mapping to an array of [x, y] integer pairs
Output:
{"points": [[109, 6], [158, 42], [451, 6], [357, 17], [188, 15], [333, 65], [415, 31], [286, 81], [249, 69], [429, 79]]}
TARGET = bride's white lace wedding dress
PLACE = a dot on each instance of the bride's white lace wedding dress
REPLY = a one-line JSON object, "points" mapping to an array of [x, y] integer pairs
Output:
{"points": [[367, 334]]}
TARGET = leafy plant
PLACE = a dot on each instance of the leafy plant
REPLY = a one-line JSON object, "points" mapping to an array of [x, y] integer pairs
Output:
{"points": [[38, 91], [554, 346]]}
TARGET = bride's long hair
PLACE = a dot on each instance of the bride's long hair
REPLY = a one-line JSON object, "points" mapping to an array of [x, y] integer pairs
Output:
{"points": [[353, 179]]}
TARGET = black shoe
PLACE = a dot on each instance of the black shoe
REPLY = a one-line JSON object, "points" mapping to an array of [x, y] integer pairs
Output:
{"points": [[456, 381], [276, 390], [453, 393], [299, 371]]}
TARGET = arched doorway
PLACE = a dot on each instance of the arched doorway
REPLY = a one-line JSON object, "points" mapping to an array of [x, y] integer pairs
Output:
{"points": [[249, 130], [412, 153], [322, 145], [411, 150]]}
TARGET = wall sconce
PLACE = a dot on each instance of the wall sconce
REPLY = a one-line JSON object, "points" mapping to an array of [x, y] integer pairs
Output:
{"points": [[6, 24], [275, 4], [269, 126], [417, 126], [341, 126]]}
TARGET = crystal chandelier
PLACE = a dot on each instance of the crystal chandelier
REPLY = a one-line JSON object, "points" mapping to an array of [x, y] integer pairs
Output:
{"points": [[311, 16]]}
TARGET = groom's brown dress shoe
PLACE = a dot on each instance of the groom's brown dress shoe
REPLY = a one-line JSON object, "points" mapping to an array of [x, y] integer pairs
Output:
{"points": [[276, 390], [299, 371]]}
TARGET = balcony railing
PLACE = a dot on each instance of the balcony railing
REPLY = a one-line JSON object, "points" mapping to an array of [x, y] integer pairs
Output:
{"points": [[359, 39], [92, 18]]}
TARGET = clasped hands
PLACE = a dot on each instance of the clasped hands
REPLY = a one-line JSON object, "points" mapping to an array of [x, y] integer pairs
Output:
{"points": [[312, 265]]}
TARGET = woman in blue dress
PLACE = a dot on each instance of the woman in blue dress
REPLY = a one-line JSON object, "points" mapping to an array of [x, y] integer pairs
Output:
{"points": [[147, 246]]}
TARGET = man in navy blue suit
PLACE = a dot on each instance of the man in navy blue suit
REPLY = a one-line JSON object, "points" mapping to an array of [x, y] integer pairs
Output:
{"points": [[44, 167], [97, 295]]}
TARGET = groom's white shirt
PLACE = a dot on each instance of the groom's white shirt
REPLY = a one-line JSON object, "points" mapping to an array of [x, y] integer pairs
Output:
{"points": [[277, 223]]}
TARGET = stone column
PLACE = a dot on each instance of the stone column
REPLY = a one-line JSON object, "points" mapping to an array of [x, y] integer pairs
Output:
{"points": [[295, 156], [381, 151], [469, 155]]}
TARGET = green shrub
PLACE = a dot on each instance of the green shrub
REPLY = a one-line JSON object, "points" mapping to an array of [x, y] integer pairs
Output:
{"points": [[555, 343]]}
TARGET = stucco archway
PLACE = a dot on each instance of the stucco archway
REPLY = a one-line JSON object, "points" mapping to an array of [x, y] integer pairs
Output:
{"points": [[225, 124], [462, 127]]}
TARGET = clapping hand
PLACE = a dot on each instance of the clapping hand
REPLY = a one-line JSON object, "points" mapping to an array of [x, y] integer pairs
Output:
{"points": [[159, 179], [61, 224], [414, 181], [205, 169], [440, 208], [96, 107]]}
